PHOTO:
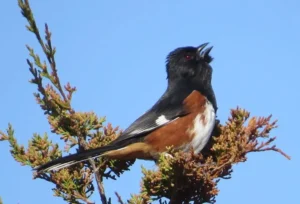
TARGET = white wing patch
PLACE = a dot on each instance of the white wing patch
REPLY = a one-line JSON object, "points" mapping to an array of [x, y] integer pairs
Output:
{"points": [[161, 120], [203, 126]]}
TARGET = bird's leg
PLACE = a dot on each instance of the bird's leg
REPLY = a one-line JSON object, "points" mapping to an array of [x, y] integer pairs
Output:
{"points": [[167, 155]]}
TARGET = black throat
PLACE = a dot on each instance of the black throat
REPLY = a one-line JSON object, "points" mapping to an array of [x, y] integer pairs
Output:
{"points": [[180, 88]]}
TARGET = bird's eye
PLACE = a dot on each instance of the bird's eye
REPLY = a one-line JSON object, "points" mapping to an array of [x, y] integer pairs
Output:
{"points": [[188, 57]]}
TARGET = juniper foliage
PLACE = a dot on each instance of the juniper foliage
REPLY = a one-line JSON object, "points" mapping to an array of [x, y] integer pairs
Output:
{"points": [[183, 178]]}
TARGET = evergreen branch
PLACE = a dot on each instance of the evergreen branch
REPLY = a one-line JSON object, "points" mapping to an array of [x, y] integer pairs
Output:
{"points": [[182, 178], [187, 177], [75, 128], [99, 182], [119, 198], [48, 50]]}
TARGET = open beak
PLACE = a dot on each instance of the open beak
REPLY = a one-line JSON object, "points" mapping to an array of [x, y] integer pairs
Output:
{"points": [[203, 52], [201, 47]]}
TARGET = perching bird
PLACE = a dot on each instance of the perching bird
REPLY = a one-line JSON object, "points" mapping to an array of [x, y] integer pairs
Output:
{"points": [[183, 117]]}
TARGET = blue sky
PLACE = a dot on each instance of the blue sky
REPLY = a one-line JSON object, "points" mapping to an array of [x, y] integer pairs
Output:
{"points": [[114, 53]]}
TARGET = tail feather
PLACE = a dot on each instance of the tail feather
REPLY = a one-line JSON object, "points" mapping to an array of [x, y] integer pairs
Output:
{"points": [[74, 159]]}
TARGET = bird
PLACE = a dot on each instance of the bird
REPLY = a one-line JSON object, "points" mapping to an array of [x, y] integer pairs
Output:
{"points": [[183, 117]]}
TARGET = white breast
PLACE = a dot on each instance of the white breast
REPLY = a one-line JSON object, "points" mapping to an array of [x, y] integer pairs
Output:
{"points": [[203, 126]]}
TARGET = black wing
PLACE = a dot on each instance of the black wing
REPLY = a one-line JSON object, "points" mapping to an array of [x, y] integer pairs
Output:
{"points": [[167, 109]]}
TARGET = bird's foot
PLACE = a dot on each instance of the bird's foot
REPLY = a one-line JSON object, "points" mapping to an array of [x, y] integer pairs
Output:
{"points": [[168, 156]]}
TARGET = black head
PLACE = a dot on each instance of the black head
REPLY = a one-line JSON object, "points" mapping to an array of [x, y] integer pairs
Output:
{"points": [[191, 63], [188, 69]]}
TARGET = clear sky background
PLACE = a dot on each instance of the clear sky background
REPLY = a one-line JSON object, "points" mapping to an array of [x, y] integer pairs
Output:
{"points": [[114, 53]]}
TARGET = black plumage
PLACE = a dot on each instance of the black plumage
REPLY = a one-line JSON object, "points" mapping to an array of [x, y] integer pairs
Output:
{"points": [[188, 69]]}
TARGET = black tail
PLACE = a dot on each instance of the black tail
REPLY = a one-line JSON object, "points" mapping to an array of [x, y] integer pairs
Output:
{"points": [[74, 158]]}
